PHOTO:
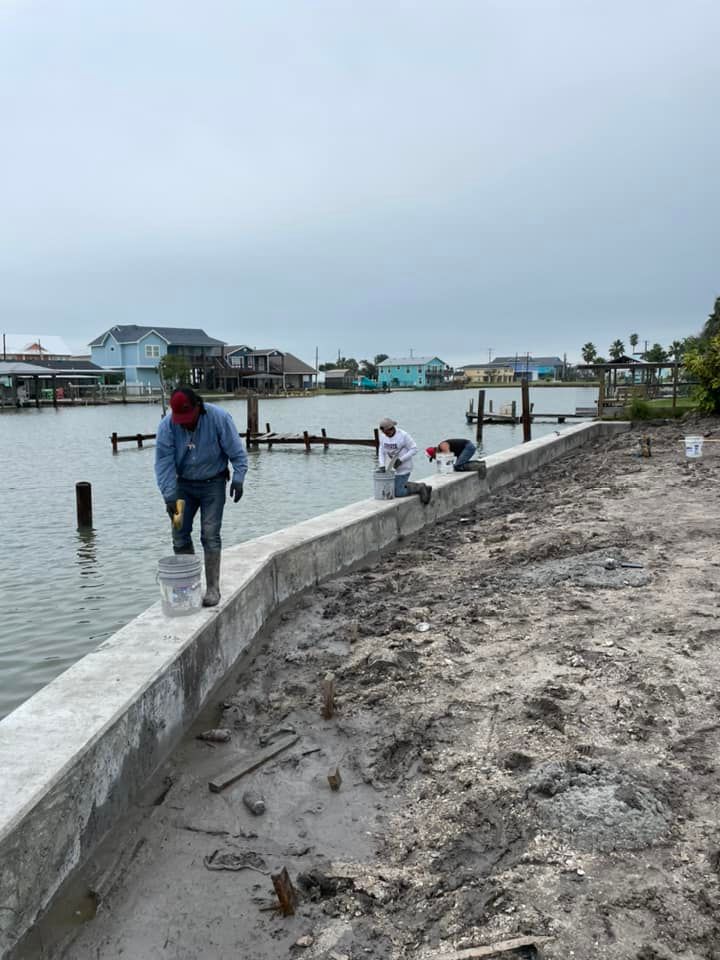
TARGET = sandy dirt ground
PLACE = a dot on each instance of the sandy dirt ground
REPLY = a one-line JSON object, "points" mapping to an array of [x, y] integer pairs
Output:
{"points": [[527, 737]]}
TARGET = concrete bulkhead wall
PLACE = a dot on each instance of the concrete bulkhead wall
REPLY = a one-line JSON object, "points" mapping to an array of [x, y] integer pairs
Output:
{"points": [[74, 756]]}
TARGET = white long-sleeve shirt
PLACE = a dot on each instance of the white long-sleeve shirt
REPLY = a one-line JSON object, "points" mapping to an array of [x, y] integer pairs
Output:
{"points": [[400, 445]]}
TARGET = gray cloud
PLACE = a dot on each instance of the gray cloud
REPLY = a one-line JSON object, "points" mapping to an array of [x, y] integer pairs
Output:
{"points": [[364, 176]]}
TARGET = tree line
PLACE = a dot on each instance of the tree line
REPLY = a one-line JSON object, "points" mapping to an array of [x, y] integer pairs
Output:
{"points": [[363, 368], [700, 356], [654, 354]]}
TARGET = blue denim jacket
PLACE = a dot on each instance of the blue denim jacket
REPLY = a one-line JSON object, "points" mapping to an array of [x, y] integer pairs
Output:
{"points": [[198, 454]]}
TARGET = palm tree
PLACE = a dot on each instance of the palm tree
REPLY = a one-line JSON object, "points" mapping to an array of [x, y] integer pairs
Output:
{"points": [[676, 349], [589, 352], [616, 349], [633, 341]]}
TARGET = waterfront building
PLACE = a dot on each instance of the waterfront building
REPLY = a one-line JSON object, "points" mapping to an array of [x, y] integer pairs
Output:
{"points": [[413, 372], [136, 352], [269, 369]]}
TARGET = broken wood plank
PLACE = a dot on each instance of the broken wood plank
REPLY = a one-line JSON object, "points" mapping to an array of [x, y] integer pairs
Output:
{"points": [[224, 780], [334, 779], [328, 694], [491, 950], [285, 892]]}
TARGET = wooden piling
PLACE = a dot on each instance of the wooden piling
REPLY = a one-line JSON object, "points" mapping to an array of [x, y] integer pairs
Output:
{"points": [[306, 438], [83, 502], [253, 419], [114, 441], [139, 441], [323, 434], [513, 410], [525, 393], [53, 382], [376, 435], [480, 416]]}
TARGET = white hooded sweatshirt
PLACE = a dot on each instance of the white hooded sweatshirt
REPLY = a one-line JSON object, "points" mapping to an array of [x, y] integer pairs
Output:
{"points": [[401, 445]]}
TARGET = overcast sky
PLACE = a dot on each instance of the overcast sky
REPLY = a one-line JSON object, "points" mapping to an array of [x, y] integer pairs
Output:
{"points": [[450, 176]]}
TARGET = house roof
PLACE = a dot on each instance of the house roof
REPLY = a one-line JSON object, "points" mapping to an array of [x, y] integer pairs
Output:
{"points": [[16, 368], [69, 366], [336, 372], [36, 343], [294, 364], [521, 360], [408, 361], [175, 336]]}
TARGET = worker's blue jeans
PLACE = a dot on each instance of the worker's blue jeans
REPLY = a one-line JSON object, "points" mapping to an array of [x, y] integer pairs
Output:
{"points": [[401, 480], [467, 454], [207, 496]]}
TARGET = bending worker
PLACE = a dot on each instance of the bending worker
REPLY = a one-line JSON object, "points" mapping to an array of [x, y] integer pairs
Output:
{"points": [[194, 443], [462, 450], [397, 449]]}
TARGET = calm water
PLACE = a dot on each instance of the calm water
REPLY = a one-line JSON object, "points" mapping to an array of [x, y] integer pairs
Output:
{"points": [[62, 592]]}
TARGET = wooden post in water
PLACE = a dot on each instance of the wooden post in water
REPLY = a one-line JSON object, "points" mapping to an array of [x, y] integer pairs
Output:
{"points": [[376, 434], [306, 438], [83, 500], [480, 415], [113, 441], [525, 393], [513, 410], [253, 419], [323, 431], [53, 383], [139, 440]]}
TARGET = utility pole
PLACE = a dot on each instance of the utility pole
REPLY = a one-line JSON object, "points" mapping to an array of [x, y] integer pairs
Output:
{"points": [[490, 351], [4, 353], [316, 367]]}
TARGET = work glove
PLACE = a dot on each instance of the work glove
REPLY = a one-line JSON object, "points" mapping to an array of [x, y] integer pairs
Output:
{"points": [[236, 490], [170, 507], [397, 462]]}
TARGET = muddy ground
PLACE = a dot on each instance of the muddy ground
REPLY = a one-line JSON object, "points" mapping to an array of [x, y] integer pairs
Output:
{"points": [[527, 740]]}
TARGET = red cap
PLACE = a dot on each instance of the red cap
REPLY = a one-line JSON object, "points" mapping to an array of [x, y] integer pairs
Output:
{"points": [[431, 451], [184, 413]]}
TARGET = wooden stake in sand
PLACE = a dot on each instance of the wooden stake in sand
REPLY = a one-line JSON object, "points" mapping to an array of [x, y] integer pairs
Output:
{"points": [[328, 695], [285, 891]]}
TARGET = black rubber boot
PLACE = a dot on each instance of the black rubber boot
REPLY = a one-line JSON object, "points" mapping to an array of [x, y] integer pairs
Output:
{"points": [[476, 466], [212, 580], [422, 490], [188, 549]]}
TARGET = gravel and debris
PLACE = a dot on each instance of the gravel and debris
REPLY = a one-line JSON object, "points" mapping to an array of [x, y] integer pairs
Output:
{"points": [[528, 740]]}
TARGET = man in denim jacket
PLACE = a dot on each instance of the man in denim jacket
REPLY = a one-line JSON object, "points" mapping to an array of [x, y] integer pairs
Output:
{"points": [[195, 441]]}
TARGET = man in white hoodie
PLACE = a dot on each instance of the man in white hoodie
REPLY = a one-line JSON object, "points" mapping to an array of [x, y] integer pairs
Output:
{"points": [[397, 449]]}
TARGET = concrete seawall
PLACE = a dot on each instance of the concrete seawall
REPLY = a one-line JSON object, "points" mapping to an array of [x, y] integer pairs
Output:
{"points": [[73, 757]]}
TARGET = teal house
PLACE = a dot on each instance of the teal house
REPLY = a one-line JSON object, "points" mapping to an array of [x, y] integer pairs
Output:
{"points": [[412, 372], [136, 351]]}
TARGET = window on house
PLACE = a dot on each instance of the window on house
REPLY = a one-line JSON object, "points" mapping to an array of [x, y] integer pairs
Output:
{"points": [[152, 350], [407, 369]]}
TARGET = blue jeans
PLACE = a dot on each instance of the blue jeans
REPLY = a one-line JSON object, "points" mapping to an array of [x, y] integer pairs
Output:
{"points": [[401, 480], [466, 455], [207, 496]]}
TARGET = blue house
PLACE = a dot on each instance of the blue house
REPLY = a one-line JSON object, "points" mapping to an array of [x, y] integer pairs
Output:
{"points": [[412, 372], [136, 352]]}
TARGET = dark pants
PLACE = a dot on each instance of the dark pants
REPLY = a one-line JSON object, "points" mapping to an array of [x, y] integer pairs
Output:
{"points": [[466, 454], [207, 496]]}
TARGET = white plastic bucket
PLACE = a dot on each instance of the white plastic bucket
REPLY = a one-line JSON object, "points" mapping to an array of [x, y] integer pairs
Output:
{"points": [[693, 446], [180, 584], [384, 485], [445, 462]]}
